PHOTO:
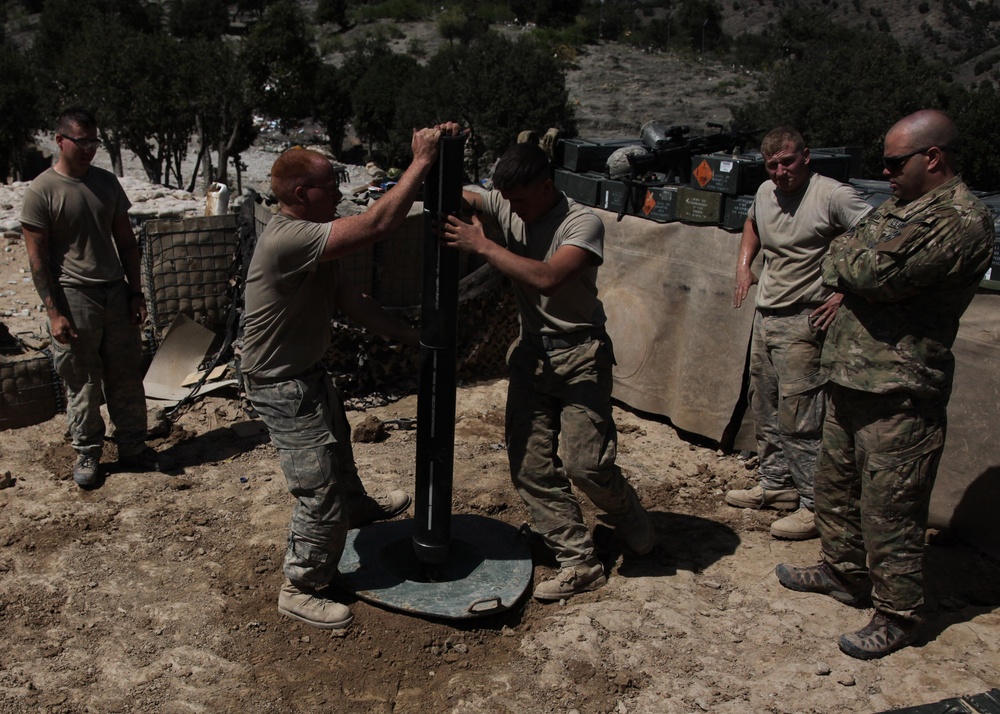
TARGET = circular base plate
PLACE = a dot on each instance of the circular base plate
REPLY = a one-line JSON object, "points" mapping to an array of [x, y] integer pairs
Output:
{"points": [[487, 571]]}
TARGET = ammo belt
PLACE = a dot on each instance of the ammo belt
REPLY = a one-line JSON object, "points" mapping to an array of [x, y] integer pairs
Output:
{"points": [[564, 339]]}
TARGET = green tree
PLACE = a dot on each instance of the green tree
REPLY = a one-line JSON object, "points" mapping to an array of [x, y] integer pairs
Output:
{"points": [[333, 105], [456, 23], [375, 99], [156, 125], [198, 18], [282, 63], [494, 86], [223, 105], [975, 112], [700, 21], [20, 109], [843, 86], [557, 13], [81, 66], [332, 12]]}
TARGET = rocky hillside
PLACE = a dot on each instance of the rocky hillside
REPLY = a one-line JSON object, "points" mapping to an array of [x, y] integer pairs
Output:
{"points": [[960, 33]]}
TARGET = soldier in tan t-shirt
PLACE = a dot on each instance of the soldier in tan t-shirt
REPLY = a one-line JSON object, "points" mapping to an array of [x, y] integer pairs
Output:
{"points": [[293, 285], [85, 266], [560, 432], [794, 217]]}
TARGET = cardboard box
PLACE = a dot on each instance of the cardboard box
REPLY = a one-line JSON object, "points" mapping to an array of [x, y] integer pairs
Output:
{"points": [[697, 206], [734, 211], [660, 204], [725, 173], [583, 188], [581, 155], [614, 193]]}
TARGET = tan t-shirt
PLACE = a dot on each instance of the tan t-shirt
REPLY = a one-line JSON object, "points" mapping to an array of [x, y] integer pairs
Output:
{"points": [[795, 233], [78, 214], [575, 306], [289, 299]]}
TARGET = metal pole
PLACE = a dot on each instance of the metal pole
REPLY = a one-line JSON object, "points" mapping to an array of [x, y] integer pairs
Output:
{"points": [[436, 388]]}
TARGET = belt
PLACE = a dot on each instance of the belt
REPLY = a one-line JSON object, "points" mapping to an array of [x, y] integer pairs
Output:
{"points": [[565, 339], [98, 286], [790, 311]]}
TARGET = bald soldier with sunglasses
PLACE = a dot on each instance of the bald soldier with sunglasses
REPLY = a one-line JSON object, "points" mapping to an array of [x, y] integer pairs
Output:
{"points": [[908, 271]]}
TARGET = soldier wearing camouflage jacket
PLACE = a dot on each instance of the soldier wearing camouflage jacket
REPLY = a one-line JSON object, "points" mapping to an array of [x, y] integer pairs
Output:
{"points": [[908, 271]]}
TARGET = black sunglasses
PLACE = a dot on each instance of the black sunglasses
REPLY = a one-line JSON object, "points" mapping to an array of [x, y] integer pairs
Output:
{"points": [[896, 163], [85, 144]]}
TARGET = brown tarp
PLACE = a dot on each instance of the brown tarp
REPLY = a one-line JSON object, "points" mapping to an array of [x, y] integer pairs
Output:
{"points": [[682, 351], [681, 347]]}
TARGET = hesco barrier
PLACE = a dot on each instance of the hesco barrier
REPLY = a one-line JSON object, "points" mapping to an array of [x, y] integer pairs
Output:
{"points": [[187, 266], [30, 391], [196, 266]]}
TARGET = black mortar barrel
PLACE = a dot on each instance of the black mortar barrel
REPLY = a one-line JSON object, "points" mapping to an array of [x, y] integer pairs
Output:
{"points": [[436, 389]]}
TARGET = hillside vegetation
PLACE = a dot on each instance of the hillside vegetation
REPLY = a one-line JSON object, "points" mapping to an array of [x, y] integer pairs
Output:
{"points": [[211, 74]]}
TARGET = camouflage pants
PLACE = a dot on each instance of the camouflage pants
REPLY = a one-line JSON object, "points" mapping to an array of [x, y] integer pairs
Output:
{"points": [[103, 364], [787, 399], [560, 435], [876, 469], [309, 429]]}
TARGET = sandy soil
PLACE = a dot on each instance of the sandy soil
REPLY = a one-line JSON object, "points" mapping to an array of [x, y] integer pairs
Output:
{"points": [[157, 593]]}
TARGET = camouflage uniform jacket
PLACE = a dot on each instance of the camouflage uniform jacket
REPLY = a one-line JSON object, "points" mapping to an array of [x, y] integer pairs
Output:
{"points": [[908, 272]]}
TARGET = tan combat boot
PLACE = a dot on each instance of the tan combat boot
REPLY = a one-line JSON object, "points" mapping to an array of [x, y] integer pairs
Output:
{"points": [[305, 605], [572, 580], [784, 499], [800, 525]]}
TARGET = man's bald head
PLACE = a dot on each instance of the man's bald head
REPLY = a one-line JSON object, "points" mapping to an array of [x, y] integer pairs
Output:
{"points": [[926, 128], [919, 153], [294, 168]]}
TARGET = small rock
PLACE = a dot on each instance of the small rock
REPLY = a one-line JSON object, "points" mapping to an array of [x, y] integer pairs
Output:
{"points": [[847, 680], [369, 431], [6, 480], [822, 669]]}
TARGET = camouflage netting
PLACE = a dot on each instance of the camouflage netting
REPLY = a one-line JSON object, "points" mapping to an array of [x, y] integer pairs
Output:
{"points": [[364, 365]]}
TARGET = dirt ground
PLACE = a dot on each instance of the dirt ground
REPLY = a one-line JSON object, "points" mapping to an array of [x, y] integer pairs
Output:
{"points": [[157, 593]]}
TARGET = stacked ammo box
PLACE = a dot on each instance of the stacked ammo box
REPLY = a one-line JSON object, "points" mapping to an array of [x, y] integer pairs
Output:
{"points": [[720, 192]]}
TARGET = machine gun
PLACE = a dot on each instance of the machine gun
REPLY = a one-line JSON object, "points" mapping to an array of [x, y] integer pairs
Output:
{"points": [[665, 155]]}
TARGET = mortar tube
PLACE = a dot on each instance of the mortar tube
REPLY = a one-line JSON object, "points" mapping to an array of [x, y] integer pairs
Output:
{"points": [[437, 383]]}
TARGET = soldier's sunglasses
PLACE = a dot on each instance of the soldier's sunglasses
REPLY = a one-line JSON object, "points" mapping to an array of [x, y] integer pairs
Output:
{"points": [[85, 144], [896, 163]]}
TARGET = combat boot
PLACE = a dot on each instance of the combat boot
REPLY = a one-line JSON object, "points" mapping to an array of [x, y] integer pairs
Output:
{"points": [[305, 605], [884, 634], [572, 580], [367, 510], [86, 470], [801, 525], [823, 579], [784, 499]]}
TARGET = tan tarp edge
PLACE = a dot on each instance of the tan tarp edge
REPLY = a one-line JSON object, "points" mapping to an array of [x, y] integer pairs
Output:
{"points": [[967, 492], [681, 347]]}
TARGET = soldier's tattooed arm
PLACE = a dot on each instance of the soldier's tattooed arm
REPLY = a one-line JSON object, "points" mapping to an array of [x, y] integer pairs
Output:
{"points": [[36, 241]]}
